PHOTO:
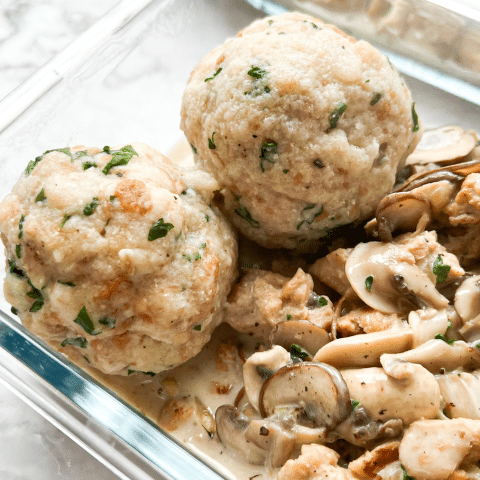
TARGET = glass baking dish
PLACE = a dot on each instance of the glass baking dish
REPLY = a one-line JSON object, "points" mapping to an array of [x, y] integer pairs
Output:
{"points": [[122, 81]]}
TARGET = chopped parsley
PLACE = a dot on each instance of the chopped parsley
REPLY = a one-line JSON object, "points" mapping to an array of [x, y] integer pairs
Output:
{"points": [[212, 77], [369, 282], [406, 476], [20, 226], [211, 142], [298, 352], [81, 153], [354, 403], [318, 163], [257, 72], [37, 296], [207, 218], [112, 198], [119, 157], [41, 196], [289, 317], [14, 310], [64, 220], [268, 153], [187, 257], [203, 245], [67, 284], [159, 230], [90, 207], [14, 270], [440, 270], [286, 171], [322, 301], [197, 327], [195, 151], [336, 114], [376, 97], [84, 320], [87, 165], [307, 216], [198, 256], [416, 126], [243, 212], [75, 342], [66, 151], [18, 251], [441, 336], [109, 322], [32, 164]]}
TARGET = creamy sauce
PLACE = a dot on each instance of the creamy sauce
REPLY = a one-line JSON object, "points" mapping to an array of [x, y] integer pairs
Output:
{"points": [[199, 377]]}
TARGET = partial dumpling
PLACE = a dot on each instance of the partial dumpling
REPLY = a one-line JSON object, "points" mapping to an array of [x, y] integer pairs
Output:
{"points": [[115, 256], [303, 126]]}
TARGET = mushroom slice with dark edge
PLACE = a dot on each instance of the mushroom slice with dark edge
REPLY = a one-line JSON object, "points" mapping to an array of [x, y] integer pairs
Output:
{"points": [[386, 278], [299, 332], [256, 441], [316, 388], [443, 145], [405, 211]]}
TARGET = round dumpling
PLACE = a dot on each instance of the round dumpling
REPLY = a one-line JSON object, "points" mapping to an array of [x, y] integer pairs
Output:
{"points": [[303, 127], [115, 257]]}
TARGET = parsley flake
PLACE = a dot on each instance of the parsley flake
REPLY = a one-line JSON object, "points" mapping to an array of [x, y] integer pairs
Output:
{"points": [[66, 151], [257, 72], [18, 251], [376, 97], [197, 327], [369, 282], [109, 322], [322, 301], [211, 142], [87, 165], [307, 216], [336, 114], [90, 207], [32, 164], [440, 270], [80, 342], [406, 476], [298, 352], [195, 151], [159, 230], [20, 226], [64, 220], [213, 76], [37, 296], [289, 317], [354, 403], [14, 270], [41, 196], [84, 320], [416, 126], [441, 336], [14, 310], [67, 284], [120, 157], [243, 212], [268, 153]]}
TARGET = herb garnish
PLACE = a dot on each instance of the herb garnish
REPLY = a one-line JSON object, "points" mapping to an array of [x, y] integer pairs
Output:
{"points": [[159, 230], [406, 476], [311, 215], [195, 151], [369, 282], [64, 220], [90, 207], [87, 165], [18, 251], [187, 257], [289, 317], [32, 164], [109, 322], [75, 342], [336, 114], [211, 142], [243, 212], [120, 157], [259, 87], [68, 284], [298, 352], [416, 126], [257, 72], [84, 320], [440, 270], [37, 296], [41, 196], [14, 310], [14, 270], [441, 336], [354, 403], [20, 226], [197, 327], [66, 151], [268, 153], [318, 163], [213, 76], [81, 153], [376, 97], [322, 301]]}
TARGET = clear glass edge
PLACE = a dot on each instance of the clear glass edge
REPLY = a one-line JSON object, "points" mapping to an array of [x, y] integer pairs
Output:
{"points": [[124, 441]]}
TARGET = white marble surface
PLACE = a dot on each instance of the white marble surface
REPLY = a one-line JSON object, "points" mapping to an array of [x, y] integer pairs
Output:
{"points": [[31, 33]]}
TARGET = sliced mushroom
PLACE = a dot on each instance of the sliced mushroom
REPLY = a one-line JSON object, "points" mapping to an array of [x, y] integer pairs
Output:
{"points": [[425, 324], [405, 211], [231, 427], [437, 356], [467, 305], [461, 393], [299, 332], [386, 278], [316, 388], [259, 367], [409, 398], [443, 145], [364, 350], [434, 449]]}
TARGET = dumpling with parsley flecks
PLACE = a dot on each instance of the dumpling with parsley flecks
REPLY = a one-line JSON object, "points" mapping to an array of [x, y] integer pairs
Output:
{"points": [[303, 126], [115, 257]]}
